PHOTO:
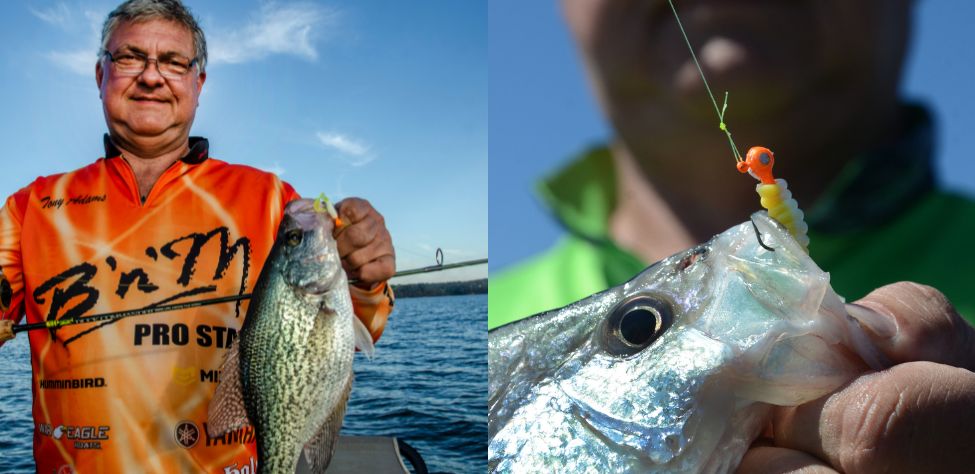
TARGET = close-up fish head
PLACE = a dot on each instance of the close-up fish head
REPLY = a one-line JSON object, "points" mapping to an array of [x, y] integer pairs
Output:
{"points": [[312, 264], [675, 369]]}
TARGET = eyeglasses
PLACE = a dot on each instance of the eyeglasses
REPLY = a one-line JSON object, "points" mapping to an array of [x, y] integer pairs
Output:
{"points": [[133, 64]]}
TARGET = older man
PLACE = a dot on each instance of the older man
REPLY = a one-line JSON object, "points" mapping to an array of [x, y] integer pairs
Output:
{"points": [[156, 221], [817, 82]]}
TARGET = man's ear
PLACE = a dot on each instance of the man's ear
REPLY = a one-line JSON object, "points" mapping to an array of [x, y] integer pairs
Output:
{"points": [[99, 73]]}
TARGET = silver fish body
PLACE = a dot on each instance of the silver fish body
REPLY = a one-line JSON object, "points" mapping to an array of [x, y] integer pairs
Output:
{"points": [[290, 372], [675, 370]]}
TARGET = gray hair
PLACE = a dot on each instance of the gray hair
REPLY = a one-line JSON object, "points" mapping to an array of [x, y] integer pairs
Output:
{"points": [[146, 10]]}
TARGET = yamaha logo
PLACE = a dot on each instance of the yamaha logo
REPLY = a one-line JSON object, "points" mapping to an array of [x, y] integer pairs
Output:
{"points": [[187, 434]]}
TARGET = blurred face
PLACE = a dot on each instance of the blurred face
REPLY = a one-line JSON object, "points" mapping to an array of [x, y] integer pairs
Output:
{"points": [[148, 112], [798, 71]]}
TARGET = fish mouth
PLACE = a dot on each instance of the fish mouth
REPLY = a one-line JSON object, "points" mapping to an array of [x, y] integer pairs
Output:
{"points": [[321, 287], [303, 212]]}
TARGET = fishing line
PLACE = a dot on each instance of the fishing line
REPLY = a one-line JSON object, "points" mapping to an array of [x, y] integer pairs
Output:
{"points": [[116, 315], [723, 109], [774, 193]]}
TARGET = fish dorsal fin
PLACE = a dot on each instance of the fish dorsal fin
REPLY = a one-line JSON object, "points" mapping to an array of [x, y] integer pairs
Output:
{"points": [[363, 338], [227, 411]]}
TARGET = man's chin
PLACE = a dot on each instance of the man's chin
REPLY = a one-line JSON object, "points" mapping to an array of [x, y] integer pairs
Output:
{"points": [[152, 134]]}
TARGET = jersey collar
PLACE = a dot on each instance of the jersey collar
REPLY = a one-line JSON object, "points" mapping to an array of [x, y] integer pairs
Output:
{"points": [[198, 153]]}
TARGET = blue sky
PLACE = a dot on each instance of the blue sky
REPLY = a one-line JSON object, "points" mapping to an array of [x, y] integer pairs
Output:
{"points": [[377, 99], [542, 111]]}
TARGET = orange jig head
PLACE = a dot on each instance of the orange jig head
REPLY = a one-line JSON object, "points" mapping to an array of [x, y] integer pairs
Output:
{"points": [[759, 162]]}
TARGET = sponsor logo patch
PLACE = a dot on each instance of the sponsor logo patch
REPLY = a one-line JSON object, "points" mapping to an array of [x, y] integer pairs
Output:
{"points": [[249, 468], [241, 435], [187, 434], [82, 437], [66, 384], [184, 376]]}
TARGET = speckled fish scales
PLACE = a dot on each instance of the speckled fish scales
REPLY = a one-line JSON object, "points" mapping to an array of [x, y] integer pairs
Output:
{"points": [[675, 370], [290, 373]]}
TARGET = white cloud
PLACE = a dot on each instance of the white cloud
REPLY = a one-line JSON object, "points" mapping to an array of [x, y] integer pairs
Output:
{"points": [[352, 150], [290, 29], [343, 143], [79, 61], [276, 29], [58, 15]]}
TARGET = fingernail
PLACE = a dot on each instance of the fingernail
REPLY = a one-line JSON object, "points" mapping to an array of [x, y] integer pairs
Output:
{"points": [[882, 326]]}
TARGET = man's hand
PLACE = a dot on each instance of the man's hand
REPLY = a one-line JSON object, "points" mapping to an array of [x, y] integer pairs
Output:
{"points": [[364, 243], [917, 416], [6, 330]]}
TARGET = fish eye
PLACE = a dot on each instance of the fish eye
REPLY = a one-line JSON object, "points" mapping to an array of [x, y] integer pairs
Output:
{"points": [[635, 324], [294, 237]]}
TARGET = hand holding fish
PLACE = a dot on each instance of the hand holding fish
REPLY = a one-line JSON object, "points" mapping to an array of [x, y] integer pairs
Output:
{"points": [[679, 369], [6, 330], [912, 417], [364, 243]]}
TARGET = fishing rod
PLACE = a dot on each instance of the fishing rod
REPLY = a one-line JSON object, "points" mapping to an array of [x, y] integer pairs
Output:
{"points": [[116, 315]]}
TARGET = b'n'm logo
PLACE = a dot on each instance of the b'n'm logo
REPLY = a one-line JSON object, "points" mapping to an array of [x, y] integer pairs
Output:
{"points": [[184, 376], [187, 434]]}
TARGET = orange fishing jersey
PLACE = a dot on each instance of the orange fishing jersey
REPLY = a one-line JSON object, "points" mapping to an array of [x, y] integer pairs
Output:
{"points": [[132, 395]]}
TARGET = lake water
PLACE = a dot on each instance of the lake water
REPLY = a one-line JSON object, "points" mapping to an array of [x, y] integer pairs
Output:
{"points": [[427, 385]]}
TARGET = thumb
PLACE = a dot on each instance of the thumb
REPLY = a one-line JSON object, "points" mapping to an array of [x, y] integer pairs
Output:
{"points": [[912, 322]]}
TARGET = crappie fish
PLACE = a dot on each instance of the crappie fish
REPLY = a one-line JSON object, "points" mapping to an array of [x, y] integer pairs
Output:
{"points": [[675, 370], [290, 372]]}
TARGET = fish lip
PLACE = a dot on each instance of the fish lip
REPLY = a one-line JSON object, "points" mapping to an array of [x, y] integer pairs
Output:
{"points": [[322, 287]]}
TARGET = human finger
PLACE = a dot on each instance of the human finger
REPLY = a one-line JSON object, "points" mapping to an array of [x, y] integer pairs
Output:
{"points": [[356, 236], [354, 209], [6, 330], [775, 460], [373, 272], [913, 417], [925, 326]]}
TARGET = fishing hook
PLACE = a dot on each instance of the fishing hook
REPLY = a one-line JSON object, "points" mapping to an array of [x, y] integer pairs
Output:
{"points": [[758, 234]]}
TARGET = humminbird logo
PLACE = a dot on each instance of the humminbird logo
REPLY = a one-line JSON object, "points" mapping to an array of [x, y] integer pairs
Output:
{"points": [[239, 436], [63, 384]]}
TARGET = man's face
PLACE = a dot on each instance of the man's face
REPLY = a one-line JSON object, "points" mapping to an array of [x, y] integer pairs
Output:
{"points": [[786, 63], [149, 110]]}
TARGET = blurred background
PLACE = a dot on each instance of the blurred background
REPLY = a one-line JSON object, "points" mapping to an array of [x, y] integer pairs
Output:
{"points": [[542, 112]]}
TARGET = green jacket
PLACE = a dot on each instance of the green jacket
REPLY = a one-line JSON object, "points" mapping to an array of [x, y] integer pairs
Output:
{"points": [[883, 220]]}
